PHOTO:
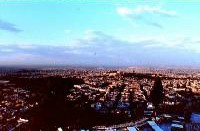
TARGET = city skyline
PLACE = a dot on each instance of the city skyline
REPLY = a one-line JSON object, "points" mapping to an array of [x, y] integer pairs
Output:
{"points": [[99, 33]]}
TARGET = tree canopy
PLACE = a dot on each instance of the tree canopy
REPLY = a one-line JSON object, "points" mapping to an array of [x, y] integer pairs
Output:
{"points": [[157, 93]]}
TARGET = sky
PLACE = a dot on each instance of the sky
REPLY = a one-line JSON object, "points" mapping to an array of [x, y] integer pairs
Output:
{"points": [[100, 32]]}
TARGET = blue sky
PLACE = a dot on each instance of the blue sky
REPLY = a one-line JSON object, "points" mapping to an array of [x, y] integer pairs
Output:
{"points": [[132, 32]]}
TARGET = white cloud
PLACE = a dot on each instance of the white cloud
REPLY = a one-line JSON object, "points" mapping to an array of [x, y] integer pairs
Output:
{"points": [[6, 50], [108, 50], [26, 46], [146, 14], [67, 31], [124, 11], [145, 9]]}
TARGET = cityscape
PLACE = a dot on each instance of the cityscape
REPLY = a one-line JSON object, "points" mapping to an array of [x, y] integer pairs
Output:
{"points": [[54, 98], [99, 65]]}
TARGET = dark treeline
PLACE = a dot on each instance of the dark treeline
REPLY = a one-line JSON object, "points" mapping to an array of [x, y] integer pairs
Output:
{"points": [[46, 84], [150, 76], [138, 75], [54, 110]]}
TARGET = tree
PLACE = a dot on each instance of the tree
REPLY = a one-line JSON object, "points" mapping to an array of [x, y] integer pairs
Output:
{"points": [[157, 94]]}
